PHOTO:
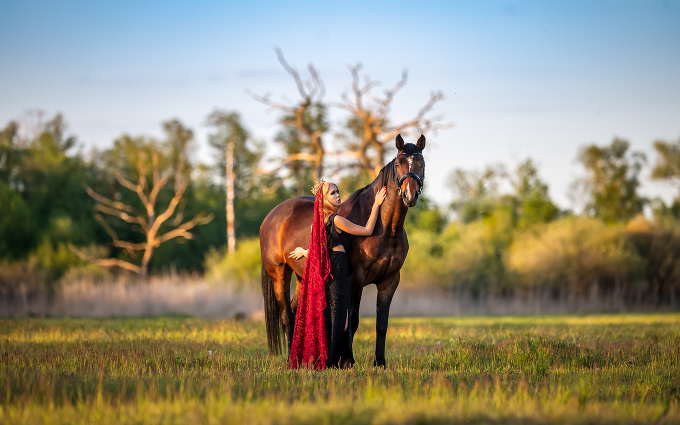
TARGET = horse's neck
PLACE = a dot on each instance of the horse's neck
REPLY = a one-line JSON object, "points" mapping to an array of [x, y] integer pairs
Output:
{"points": [[393, 211]]}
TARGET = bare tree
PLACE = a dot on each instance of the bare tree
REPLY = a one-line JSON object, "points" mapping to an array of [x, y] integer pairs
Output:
{"points": [[306, 119], [149, 221], [239, 156], [369, 120]]}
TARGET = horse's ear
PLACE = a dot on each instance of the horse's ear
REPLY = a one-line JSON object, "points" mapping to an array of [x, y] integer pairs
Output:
{"points": [[400, 143], [421, 142]]}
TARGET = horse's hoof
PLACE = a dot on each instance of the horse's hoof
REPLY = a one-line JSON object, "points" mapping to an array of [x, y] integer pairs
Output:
{"points": [[377, 363], [347, 364]]}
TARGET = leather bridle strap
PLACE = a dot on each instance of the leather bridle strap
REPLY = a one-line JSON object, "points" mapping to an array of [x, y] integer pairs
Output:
{"points": [[400, 180]]}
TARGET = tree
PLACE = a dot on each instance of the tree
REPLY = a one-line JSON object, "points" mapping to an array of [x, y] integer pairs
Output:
{"points": [[478, 194], [304, 123], [41, 182], [612, 180], [667, 165], [369, 130], [238, 158], [179, 140], [531, 201], [10, 152], [15, 216], [135, 163], [475, 193]]}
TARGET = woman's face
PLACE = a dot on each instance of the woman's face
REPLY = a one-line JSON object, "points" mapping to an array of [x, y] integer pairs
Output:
{"points": [[333, 195]]}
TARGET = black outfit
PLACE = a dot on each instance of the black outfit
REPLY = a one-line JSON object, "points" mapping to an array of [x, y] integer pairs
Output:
{"points": [[337, 295]]}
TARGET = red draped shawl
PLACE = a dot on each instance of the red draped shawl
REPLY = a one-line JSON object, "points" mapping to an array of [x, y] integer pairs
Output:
{"points": [[309, 348]]}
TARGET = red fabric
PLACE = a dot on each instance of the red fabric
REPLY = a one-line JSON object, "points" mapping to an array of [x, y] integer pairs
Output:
{"points": [[309, 348]]}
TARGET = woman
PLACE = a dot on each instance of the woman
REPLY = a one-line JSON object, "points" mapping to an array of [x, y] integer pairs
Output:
{"points": [[324, 295]]}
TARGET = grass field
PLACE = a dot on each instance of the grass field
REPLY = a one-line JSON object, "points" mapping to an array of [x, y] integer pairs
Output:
{"points": [[536, 370]]}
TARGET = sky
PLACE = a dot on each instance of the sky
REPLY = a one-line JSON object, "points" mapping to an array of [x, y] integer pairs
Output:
{"points": [[524, 79]]}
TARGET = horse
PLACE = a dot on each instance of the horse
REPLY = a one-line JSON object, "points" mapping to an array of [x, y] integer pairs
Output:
{"points": [[373, 259]]}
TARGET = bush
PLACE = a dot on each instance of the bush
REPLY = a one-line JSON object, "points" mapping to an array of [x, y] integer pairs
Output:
{"points": [[423, 262], [659, 247], [241, 269], [55, 258], [574, 253], [87, 272], [466, 256], [472, 256]]}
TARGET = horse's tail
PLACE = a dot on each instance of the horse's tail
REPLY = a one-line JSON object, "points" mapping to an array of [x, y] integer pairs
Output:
{"points": [[272, 313]]}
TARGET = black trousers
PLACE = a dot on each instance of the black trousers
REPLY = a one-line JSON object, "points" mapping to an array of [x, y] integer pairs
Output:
{"points": [[337, 309]]}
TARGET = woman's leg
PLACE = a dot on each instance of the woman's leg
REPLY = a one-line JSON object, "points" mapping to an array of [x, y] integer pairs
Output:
{"points": [[337, 307]]}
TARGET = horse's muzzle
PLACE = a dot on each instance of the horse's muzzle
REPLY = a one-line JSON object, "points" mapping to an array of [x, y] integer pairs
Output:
{"points": [[410, 196]]}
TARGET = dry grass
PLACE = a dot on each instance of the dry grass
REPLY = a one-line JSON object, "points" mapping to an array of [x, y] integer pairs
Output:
{"points": [[555, 369], [169, 294]]}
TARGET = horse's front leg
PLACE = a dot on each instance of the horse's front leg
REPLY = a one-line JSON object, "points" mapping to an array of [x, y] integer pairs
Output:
{"points": [[386, 290]]}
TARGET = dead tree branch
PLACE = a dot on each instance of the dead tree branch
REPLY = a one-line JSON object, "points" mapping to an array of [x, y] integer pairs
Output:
{"points": [[298, 115], [149, 221], [370, 115]]}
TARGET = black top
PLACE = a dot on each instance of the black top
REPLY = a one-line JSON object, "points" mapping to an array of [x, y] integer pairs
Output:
{"points": [[335, 236]]}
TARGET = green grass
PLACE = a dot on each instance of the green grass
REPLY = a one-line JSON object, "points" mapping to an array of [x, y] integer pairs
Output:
{"points": [[553, 369]]}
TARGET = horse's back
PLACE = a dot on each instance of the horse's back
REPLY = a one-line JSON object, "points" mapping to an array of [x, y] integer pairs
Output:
{"points": [[283, 224]]}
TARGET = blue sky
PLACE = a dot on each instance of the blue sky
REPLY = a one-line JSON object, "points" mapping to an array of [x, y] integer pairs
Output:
{"points": [[532, 79]]}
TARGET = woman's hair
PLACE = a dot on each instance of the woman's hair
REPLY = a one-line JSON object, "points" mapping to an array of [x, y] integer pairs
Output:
{"points": [[328, 208]]}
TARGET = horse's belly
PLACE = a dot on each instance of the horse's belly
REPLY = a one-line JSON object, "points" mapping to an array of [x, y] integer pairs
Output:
{"points": [[382, 261]]}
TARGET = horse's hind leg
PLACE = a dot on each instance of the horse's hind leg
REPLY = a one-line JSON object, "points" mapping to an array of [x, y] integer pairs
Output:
{"points": [[296, 298], [281, 278]]}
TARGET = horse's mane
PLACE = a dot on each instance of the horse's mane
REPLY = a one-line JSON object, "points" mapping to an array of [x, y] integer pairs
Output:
{"points": [[386, 174]]}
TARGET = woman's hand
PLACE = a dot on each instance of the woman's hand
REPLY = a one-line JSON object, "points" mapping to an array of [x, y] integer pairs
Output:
{"points": [[367, 230], [298, 253], [380, 196]]}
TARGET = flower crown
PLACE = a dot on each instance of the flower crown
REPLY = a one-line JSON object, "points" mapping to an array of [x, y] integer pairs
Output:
{"points": [[318, 185]]}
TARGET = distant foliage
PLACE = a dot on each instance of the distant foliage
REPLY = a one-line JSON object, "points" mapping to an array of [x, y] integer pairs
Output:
{"points": [[572, 254], [464, 256], [241, 269], [44, 206], [667, 165], [613, 180], [502, 234]]}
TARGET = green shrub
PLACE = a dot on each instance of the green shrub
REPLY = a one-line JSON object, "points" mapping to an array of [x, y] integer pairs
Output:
{"points": [[241, 268], [423, 262], [55, 258], [468, 256], [576, 252], [88, 272], [16, 224]]}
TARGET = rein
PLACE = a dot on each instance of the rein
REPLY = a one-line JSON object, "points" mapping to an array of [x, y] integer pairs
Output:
{"points": [[400, 180]]}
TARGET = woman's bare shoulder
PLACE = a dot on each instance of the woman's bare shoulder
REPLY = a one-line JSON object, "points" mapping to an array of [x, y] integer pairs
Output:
{"points": [[342, 220]]}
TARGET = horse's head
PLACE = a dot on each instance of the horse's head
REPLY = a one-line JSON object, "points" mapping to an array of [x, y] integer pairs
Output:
{"points": [[409, 169]]}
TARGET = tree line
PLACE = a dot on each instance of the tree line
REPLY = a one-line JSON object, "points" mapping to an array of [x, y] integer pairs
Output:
{"points": [[146, 205]]}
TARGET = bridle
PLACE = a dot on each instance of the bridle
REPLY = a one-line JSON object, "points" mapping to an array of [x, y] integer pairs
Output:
{"points": [[400, 180]]}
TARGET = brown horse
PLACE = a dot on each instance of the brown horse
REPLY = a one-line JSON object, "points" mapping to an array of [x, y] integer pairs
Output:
{"points": [[374, 259]]}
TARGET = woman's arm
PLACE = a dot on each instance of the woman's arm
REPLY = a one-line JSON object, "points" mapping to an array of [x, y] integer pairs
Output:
{"points": [[354, 229]]}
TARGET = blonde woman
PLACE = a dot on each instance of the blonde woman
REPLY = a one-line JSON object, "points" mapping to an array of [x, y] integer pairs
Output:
{"points": [[328, 268]]}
